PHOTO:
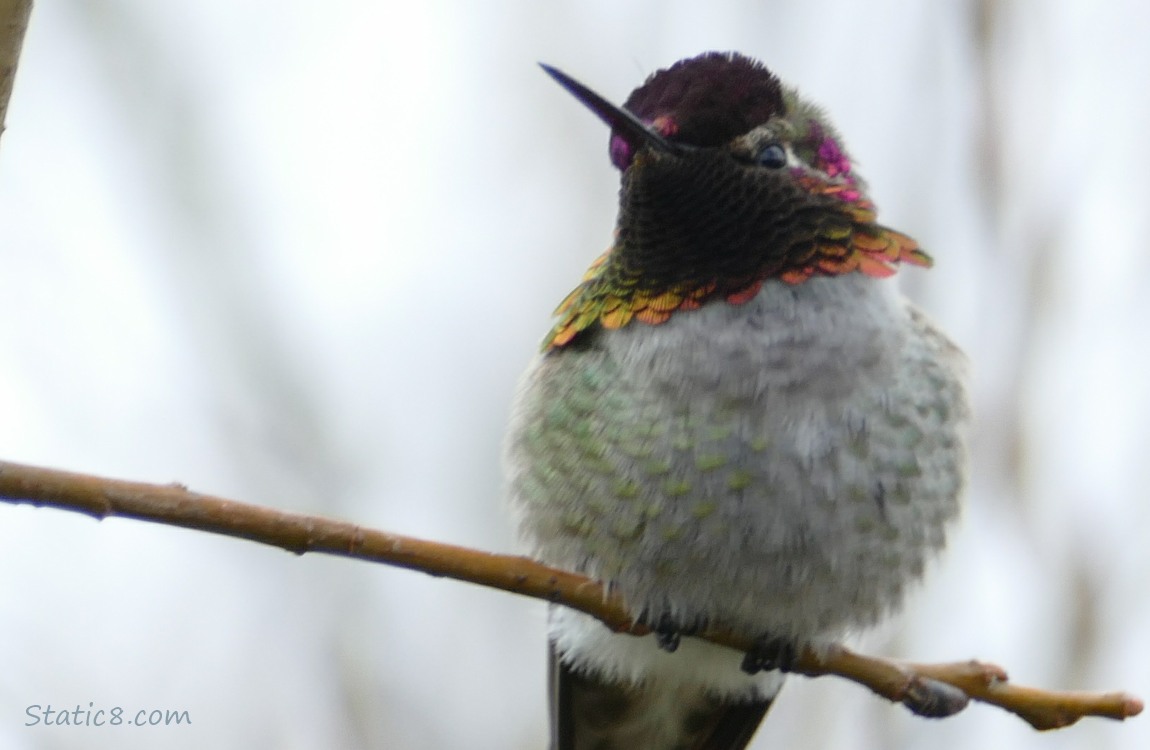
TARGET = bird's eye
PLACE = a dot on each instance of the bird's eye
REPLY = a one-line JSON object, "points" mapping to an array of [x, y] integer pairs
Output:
{"points": [[773, 156]]}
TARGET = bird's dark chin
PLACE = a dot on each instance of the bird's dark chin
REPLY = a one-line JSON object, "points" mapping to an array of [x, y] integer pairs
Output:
{"points": [[699, 217]]}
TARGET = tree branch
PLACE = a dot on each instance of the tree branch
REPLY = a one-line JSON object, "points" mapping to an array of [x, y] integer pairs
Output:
{"points": [[932, 690], [14, 16]]}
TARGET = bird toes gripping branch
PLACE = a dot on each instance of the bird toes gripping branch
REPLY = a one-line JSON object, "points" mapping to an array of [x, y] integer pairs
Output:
{"points": [[668, 631], [769, 653], [933, 699]]}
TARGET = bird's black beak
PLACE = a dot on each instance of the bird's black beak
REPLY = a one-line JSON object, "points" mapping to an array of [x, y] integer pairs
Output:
{"points": [[622, 123]]}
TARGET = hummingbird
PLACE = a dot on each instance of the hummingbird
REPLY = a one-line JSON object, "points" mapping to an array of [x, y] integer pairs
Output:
{"points": [[736, 419]]}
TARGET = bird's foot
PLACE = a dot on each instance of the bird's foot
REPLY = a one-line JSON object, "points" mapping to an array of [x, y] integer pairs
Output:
{"points": [[771, 652], [668, 632]]}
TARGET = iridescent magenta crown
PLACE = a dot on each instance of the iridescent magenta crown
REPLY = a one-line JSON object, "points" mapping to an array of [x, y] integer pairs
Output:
{"points": [[703, 101]]}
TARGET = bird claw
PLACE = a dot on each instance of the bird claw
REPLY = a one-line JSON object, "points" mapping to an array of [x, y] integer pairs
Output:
{"points": [[668, 640], [771, 653], [668, 632], [933, 699]]}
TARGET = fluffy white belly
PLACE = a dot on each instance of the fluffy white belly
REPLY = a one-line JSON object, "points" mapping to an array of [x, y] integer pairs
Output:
{"points": [[783, 467]]}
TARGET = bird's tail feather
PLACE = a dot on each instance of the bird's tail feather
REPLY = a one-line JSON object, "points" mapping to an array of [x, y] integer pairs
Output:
{"points": [[588, 713]]}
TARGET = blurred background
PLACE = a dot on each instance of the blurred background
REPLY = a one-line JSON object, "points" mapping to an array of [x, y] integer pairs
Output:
{"points": [[297, 254]]}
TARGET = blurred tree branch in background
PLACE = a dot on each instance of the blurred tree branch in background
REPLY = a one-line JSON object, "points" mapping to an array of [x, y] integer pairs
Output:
{"points": [[14, 16], [931, 690]]}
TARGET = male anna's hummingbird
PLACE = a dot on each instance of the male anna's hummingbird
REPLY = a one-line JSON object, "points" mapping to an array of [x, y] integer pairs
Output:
{"points": [[737, 420]]}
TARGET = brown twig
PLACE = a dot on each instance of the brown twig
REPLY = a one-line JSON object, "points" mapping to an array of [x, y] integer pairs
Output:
{"points": [[14, 16], [927, 689]]}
